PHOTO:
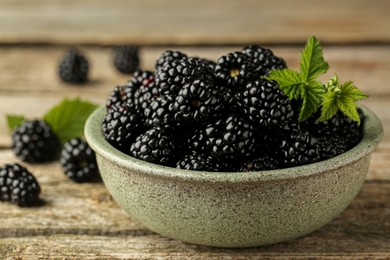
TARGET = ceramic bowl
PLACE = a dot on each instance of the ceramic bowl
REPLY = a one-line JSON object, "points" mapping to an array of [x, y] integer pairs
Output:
{"points": [[233, 209]]}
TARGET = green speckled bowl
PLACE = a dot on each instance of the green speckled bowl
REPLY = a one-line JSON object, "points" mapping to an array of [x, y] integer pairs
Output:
{"points": [[234, 209]]}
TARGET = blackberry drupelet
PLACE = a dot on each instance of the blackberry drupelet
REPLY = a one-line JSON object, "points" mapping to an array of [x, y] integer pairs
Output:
{"points": [[260, 164], [126, 58], [198, 162], [298, 147], [263, 59], [266, 105], [169, 56], [234, 70], [175, 74], [18, 185], [35, 142], [120, 127], [78, 161], [156, 145], [159, 112], [198, 102], [73, 67]]}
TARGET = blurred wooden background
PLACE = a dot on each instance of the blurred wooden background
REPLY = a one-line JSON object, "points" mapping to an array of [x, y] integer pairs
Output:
{"points": [[82, 221]]}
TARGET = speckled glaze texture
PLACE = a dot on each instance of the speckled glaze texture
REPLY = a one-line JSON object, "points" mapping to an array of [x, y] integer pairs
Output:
{"points": [[234, 209]]}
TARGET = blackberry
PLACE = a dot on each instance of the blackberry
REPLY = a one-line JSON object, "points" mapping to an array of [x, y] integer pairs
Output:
{"points": [[18, 185], [169, 56], [143, 96], [35, 142], [198, 162], [331, 146], [298, 147], [230, 138], [126, 58], [78, 161], [73, 67], [198, 101], [120, 95], [175, 74], [260, 164], [120, 127], [266, 105], [263, 59], [156, 145], [339, 126], [234, 70], [159, 112]]}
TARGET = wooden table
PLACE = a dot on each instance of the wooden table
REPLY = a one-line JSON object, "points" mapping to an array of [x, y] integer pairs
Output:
{"points": [[81, 221]]}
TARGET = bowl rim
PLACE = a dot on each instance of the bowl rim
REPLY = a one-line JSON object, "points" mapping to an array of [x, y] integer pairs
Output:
{"points": [[372, 135]]}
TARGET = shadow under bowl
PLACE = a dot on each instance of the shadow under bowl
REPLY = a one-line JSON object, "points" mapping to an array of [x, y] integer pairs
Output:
{"points": [[234, 209]]}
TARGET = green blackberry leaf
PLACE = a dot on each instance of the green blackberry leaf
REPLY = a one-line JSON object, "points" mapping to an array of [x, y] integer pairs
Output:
{"points": [[313, 63], [67, 118], [289, 81], [341, 97], [14, 120], [311, 97]]}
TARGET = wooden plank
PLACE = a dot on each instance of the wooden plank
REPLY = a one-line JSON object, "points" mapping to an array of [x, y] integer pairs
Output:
{"points": [[192, 22], [82, 221]]}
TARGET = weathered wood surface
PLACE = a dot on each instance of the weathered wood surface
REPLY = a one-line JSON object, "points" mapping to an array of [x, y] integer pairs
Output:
{"points": [[193, 22], [82, 221]]}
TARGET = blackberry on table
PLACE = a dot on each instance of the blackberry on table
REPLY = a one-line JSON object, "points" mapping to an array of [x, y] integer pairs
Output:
{"points": [[126, 58], [266, 105], [234, 70], [156, 145], [198, 101], [18, 185], [35, 142], [120, 127], [169, 56], [78, 161], [73, 67]]}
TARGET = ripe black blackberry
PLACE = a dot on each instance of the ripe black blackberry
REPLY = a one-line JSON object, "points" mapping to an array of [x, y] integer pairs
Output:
{"points": [[120, 126], [263, 59], [169, 56], [260, 164], [73, 67], [298, 147], [198, 101], [339, 126], [18, 185], [35, 142], [78, 161], [156, 145], [175, 74], [198, 162], [234, 70], [331, 146], [159, 112], [229, 138], [266, 105], [120, 95], [126, 58]]}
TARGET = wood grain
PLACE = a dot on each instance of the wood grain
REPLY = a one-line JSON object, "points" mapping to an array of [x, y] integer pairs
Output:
{"points": [[202, 22]]}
